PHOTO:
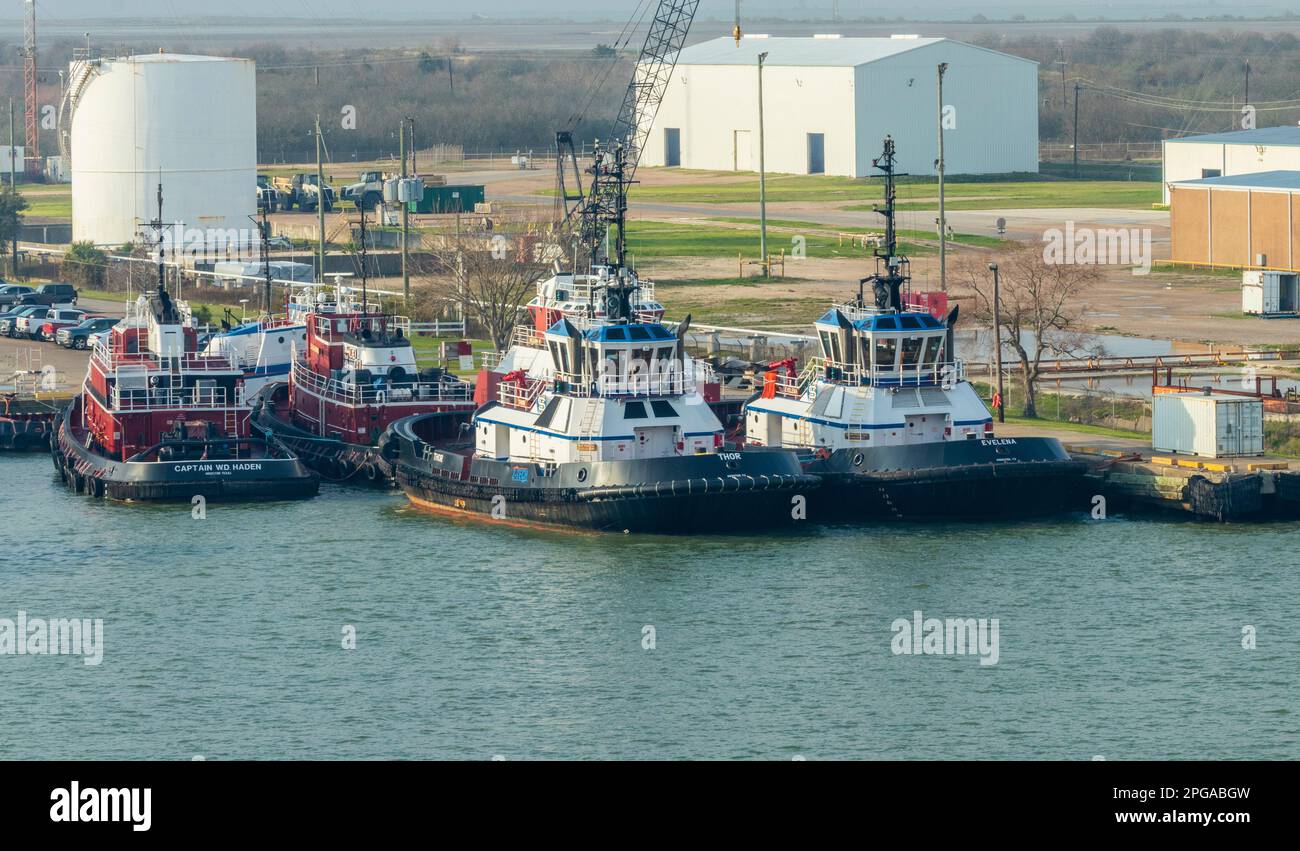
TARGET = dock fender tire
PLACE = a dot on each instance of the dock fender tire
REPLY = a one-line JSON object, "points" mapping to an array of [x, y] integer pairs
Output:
{"points": [[372, 472]]}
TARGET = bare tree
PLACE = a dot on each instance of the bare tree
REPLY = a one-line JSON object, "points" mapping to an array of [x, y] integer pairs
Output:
{"points": [[491, 278], [1040, 306]]}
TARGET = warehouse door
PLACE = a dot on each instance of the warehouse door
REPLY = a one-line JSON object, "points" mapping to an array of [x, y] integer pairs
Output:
{"points": [[672, 146], [816, 153], [741, 159]]}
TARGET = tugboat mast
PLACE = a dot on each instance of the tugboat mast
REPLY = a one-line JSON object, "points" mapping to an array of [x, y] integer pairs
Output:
{"points": [[159, 228], [363, 261], [887, 287]]}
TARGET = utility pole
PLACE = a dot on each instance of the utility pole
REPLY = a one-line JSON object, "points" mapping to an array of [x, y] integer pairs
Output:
{"points": [[1060, 52], [1076, 128], [266, 263], [942, 220], [762, 172], [406, 215], [13, 178], [320, 209], [997, 341], [1247, 101], [13, 154]]}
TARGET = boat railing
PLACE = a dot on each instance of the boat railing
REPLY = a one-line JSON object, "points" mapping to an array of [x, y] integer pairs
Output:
{"points": [[615, 386], [138, 399], [585, 288], [795, 385], [941, 373], [332, 327], [521, 394], [351, 393], [527, 337], [110, 356], [854, 312], [487, 360]]}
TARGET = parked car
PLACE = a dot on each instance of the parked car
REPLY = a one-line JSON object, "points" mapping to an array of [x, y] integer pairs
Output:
{"points": [[9, 321], [29, 324], [96, 337], [60, 317], [79, 336], [50, 295], [10, 293]]}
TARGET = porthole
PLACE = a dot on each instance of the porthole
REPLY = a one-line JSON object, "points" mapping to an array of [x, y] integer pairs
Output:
{"points": [[281, 341], [582, 474], [857, 459]]}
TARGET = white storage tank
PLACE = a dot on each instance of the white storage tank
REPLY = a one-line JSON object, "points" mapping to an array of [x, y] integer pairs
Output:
{"points": [[1210, 425], [189, 121]]}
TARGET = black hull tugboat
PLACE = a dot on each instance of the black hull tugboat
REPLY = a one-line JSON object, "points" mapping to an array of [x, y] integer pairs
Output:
{"points": [[602, 426], [354, 377], [887, 420], [159, 420], [690, 494], [28, 419]]}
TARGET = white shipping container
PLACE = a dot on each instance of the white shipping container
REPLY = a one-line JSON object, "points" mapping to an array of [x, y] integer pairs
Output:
{"points": [[1268, 293], [1210, 426]]}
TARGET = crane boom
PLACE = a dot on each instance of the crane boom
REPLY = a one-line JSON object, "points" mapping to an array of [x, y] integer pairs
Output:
{"points": [[33, 152], [596, 207]]}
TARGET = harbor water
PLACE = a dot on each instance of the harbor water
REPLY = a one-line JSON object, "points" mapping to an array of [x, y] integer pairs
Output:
{"points": [[223, 637]]}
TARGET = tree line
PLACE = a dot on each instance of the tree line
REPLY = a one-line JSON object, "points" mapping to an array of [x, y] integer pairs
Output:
{"points": [[1185, 82]]}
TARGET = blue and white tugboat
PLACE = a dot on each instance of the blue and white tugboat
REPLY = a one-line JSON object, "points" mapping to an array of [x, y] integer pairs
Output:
{"points": [[602, 427], [888, 421]]}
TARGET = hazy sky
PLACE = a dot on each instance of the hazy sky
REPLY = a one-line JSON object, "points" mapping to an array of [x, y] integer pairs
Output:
{"points": [[68, 11]]}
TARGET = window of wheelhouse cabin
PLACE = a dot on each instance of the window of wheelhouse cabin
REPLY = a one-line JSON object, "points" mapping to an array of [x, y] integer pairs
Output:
{"points": [[835, 354], [912, 348], [933, 349], [826, 344], [886, 353], [642, 361]]}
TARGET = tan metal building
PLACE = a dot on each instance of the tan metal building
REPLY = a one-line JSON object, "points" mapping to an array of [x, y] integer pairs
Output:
{"points": [[1246, 220], [1236, 152]]}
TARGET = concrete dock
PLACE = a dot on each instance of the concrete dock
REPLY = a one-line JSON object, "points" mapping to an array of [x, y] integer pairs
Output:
{"points": [[1133, 477]]}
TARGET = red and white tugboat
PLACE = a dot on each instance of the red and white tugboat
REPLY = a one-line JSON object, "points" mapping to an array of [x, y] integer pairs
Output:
{"points": [[357, 375], [159, 420]]}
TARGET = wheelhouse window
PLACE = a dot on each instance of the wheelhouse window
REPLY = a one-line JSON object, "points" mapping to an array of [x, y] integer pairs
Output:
{"points": [[826, 344], [634, 411], [886, 353], [933, 347], [912, 347]]}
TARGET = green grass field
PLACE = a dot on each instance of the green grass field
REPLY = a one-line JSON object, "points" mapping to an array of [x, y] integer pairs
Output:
{"points": [[961, 194], [47, 200], [787, 224], [653, 239]]}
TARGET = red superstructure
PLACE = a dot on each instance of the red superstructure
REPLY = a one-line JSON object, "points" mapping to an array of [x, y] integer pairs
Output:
{"points": [[147, 383], [359, 373]]}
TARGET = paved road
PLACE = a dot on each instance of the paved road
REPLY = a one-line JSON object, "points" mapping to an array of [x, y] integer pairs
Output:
{"points": [[1020, 223]]}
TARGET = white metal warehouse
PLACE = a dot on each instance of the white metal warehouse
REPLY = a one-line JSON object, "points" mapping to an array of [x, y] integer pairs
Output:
{"points": [[829, 102], [1231, 154]]}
